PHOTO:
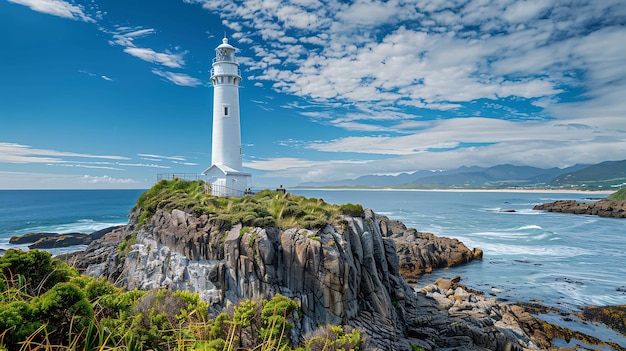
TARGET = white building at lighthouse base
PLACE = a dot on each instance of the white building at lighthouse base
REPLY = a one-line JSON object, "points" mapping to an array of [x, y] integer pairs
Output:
{"points": [[225, 181]]}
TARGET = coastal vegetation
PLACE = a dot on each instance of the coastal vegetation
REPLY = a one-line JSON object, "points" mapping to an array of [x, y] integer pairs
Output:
{"points": [[46, 304], [263, 209], [619, 195]]}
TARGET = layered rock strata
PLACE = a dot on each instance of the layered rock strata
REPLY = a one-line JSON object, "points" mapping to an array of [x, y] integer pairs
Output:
{"points": [[347, 273]]}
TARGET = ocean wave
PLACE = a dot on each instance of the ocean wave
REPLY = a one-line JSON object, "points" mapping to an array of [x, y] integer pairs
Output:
{"points": [[530, 226], [502, 234], [541, 236], [502, 249]]}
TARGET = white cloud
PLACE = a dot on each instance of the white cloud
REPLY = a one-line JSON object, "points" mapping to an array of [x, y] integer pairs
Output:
{"points": [[178, 78], [18, 153], [106, 180], [85, 166], [149, 55], [149, 165], [159, 157], [32, 180], [274, 164], [56, 8], [126, 36]]}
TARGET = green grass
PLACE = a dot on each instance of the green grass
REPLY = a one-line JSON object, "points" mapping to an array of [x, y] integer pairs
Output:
{"points": [[263, 209], [619, 195]]}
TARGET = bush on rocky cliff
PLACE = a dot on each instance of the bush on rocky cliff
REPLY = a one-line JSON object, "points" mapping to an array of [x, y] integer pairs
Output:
{"points": [[263, 209]]}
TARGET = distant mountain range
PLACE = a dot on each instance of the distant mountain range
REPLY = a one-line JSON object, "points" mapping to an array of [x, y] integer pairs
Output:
{"points": [[606, 175]]}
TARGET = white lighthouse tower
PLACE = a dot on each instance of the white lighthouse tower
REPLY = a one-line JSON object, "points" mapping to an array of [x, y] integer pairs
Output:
{"points": [[226, 172]]}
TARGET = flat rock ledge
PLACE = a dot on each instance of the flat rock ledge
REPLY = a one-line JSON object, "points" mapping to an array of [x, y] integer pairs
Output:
{"points": [[602, 208], [46, 240], [348, 273]]}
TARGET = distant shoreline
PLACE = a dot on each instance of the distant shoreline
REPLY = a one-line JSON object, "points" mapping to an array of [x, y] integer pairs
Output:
{"points": [[546, 191]]}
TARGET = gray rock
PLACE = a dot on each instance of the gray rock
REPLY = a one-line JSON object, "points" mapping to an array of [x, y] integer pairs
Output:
{"points": [[348, 273]]}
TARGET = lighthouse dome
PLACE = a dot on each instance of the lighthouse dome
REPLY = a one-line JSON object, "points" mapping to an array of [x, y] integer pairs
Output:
{"points": [[225, 45]]}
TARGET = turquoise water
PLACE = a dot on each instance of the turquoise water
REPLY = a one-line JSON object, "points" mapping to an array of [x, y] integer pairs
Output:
{"points": [[560, 259]]}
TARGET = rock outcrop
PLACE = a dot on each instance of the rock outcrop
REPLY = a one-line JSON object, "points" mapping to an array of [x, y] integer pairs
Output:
{"points": [[347, 273], [602, 208], [45, 240], [420, 252]]}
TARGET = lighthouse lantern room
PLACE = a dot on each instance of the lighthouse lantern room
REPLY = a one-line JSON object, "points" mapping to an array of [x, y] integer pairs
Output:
{"points": [[226, 172]]}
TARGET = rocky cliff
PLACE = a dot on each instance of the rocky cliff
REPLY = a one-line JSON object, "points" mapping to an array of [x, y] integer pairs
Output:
{"points": [[348, 272]]}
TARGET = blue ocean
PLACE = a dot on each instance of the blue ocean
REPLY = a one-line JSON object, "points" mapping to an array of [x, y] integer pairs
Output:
{"points": [[565, 261], [62, 211]]}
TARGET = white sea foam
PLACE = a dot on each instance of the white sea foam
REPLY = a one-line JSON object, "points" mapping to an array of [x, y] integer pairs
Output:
{"points": [[541, 236], [526, 250], [529, 211], [80, 226], [503, 234], [532, 226]]}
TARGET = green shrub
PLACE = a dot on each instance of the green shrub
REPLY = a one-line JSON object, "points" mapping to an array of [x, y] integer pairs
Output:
{"points": [[18, 320], [353, 210], [277, 319], [32, 272], [85, 313]]}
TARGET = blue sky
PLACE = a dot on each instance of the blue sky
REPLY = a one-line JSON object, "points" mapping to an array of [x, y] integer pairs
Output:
{"points": [[106, 94]]}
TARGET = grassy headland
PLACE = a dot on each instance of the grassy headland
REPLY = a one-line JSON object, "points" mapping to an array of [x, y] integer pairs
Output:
{"points": [[263, 209]]}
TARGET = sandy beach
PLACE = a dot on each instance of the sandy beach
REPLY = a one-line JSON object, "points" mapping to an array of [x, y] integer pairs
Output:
{"points": [[548, 191]]}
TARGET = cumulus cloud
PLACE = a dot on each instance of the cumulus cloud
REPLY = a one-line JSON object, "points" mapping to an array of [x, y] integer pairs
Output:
{"points": [[477, 82], [439, 56]]}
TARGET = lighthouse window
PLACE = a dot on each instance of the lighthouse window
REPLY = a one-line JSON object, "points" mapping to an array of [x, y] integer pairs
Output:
{"points": [[225, 110]]}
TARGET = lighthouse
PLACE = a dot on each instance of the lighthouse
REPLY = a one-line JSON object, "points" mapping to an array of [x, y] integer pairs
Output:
{"points": [[226, 171]]}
